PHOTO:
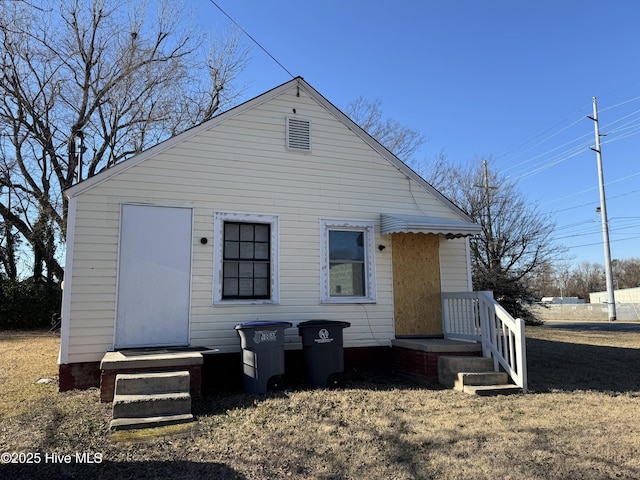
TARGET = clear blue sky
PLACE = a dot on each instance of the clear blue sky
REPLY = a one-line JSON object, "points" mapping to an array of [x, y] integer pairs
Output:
{"points": [[507, 80]]}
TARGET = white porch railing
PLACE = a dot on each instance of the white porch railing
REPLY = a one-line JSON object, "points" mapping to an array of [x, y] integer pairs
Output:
{"points": [[476, 316]]}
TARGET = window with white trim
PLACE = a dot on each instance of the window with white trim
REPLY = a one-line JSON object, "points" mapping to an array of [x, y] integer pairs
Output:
{"points": [[347, 268], [245, 258]]}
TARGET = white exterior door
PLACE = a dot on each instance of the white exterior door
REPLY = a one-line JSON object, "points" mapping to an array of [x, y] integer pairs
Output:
{"points": [[154, 276]]}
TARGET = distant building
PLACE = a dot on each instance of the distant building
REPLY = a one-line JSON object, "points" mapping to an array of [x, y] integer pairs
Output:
{"points": [[562, 300], [624, 295]]}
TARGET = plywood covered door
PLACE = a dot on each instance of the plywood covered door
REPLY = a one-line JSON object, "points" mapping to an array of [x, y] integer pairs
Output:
{"points": [[154, 276], [416, 284]]}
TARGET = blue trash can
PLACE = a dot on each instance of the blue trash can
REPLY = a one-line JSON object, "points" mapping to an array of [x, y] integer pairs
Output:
{"points": [[323, 350], [262, 345]]}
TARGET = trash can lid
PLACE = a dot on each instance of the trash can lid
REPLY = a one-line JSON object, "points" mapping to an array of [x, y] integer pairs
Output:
{"points": [[323, 323], [262, 323]]}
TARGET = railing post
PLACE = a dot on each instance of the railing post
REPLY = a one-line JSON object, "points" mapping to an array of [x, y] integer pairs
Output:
{"points": [[485, 300], [521, 354], [446, 327]]}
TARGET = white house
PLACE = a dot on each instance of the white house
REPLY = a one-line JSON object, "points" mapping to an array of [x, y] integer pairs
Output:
{"points": [[279, 209]]}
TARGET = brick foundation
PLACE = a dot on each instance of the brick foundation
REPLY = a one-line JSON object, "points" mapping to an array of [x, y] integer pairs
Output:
{"points": [[419, 366], [79, 375], [367, 359], [88, 374], [223, 371]]}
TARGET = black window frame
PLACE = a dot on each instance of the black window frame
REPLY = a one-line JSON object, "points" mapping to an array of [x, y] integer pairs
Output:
{"points": [[239, 253]]}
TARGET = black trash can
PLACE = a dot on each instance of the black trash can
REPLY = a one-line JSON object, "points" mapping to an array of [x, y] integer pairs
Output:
{"points": [[262, 353], [323, 350]]}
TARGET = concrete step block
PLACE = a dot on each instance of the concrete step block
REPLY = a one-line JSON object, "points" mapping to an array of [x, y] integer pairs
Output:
{"points": [[479, 379], [450, 366], [149, 422], [492, 390], [151, 405], [152, 382]]}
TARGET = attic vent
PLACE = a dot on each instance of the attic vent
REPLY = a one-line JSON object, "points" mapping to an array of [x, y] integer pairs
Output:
{"points": [[298, 134]]}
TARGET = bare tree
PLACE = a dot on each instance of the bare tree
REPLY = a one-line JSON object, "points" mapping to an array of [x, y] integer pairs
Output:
{"points": [[626, 273], [516, 241], [544, 283], [400, 140], [562, 278], [9, 241], [84, 85], [586, 278]]}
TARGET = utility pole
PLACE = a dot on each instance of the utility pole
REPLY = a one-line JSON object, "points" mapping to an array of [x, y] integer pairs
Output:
{"points": [[611, 300], [487, 197], [488, 200]]}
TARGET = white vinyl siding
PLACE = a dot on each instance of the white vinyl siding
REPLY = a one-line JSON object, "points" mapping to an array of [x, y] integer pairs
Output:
{"points": [[454, 268], [242, 165]]}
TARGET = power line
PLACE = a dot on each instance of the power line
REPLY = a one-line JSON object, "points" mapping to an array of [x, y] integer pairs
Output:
{"points": [[252, 39], [631, 127], [622, 137], [621, 118], [600, 242], [590, 231], [538, 144], [619, 104], [594, 188], [587, 227], [563, 157], [577, 224], [570, 153], [589, 203]]}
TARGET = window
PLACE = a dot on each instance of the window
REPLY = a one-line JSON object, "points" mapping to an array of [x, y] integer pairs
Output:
{"points": [[347, 270], [245, 258]]}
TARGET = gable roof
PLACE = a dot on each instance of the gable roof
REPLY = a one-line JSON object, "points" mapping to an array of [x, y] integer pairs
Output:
{"points": [[297, 82]]}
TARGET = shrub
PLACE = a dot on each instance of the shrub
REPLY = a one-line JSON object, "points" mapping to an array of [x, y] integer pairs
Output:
{"points": [[28, 304]]}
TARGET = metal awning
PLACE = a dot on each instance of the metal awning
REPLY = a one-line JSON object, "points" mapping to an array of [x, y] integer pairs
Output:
{"points": [[392, 223]]}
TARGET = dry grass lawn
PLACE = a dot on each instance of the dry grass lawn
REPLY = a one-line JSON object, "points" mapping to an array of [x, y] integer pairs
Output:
{"points": [[581, 420]]}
